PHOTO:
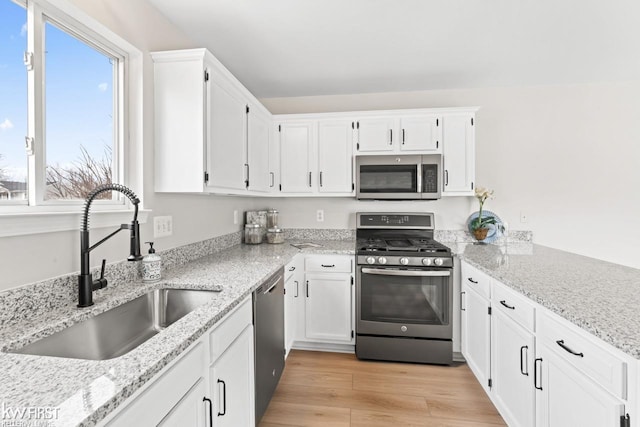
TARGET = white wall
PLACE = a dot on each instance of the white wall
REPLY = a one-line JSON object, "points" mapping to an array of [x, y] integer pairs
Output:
{"points": [[195, 217], [566, 156]]}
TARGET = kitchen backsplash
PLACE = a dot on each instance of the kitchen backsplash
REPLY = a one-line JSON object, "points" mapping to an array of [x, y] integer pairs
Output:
{"points": [[37, 299]]}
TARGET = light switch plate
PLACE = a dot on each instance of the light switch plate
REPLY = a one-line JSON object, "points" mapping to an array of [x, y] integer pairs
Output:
{"points": [[162, 226]]}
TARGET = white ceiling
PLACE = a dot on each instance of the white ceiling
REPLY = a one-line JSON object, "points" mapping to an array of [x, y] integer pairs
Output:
{"points": [[321, 47]]}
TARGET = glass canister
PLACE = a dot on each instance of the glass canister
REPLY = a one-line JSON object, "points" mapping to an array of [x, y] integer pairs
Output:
{"points": [[275, 235], [252, 234], [272, 219]]}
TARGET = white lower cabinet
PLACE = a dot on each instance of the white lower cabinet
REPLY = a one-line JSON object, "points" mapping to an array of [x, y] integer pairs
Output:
{"points": [[568, 398], [292, 296], [328, 307], [476, 323], [512, 354], [215, 375], [232, 383], [544, 371], [188, 412], [325, 303]]}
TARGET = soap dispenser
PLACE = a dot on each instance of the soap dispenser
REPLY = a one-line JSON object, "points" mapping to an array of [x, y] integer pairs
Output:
{"points": [[151, 265]]}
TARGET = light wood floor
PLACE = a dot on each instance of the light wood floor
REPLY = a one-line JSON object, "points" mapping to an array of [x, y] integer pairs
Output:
{"points": [[334, 389]]}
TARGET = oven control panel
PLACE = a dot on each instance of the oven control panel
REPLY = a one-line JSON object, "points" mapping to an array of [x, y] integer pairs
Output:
{"points": [[404, 261]]}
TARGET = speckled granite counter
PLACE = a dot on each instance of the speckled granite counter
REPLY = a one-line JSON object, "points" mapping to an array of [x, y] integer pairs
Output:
{"points": [[86, 391], [598, 296]]}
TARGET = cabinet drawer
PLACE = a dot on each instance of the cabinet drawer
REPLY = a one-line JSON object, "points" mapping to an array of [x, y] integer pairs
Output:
{"points": [[151, 406], [291, 268], [328, 263], [514, 305], [476, 279], [591, 355], [222, 336]]}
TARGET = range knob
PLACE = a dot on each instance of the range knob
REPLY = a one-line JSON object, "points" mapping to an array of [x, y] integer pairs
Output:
{"points": [[382, 260], [404, 261], [426, 261], [438, 261], [403, 328], [371, 260]]}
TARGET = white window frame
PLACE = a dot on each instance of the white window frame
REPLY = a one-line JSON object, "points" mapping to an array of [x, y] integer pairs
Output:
{"points": [[37, 215]]}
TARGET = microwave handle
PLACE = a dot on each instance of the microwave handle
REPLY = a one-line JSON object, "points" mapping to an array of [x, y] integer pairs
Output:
{"points": [[419, 273], [419, 178]]}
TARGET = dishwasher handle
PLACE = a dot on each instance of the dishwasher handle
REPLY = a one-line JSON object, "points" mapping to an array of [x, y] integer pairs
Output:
{"points": [[273, 285]]}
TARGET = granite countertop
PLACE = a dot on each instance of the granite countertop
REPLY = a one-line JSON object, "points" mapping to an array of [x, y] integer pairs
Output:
{"points": [[598, 296], [86, 391]]}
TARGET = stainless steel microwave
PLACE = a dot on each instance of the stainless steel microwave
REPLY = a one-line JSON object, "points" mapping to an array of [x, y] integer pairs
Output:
{"points": [[399, 177]]}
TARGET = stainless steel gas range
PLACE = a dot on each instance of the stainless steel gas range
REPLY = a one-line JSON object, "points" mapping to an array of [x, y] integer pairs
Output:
{"points": [[404, 289]]}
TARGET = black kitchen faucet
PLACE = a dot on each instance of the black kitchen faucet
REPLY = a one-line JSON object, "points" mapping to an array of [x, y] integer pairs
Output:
{"points": [[86, 284]]}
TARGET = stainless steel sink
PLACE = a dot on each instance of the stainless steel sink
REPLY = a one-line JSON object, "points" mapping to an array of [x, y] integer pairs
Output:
{"points": [[121, 329]]}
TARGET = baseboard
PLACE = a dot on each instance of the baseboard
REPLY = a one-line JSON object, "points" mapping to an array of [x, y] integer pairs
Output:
{"points": [[458, 357], [316, 346]]}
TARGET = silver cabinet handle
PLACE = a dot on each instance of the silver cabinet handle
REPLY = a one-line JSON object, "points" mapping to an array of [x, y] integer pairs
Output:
{"points": [[320, 178], [524, 359], [297, 293], [446, 177], [413, 273], [273, 179], [390, 136], [462, 306], [309, 179]]}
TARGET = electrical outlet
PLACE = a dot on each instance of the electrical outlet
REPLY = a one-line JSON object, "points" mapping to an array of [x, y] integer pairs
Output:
{"points": [[162, 226], [320, 215], [523, 217], [235, 216]]}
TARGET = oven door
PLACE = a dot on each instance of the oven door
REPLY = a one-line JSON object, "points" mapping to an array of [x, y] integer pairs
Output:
{"points": [[404, 302], [388, 177]]}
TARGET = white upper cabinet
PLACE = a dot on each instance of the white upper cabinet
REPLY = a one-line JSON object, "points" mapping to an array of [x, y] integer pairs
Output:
{"points": [[398, 133], [316, 156], [297, 147], [210, 132], [376, 134], [180, 93], [227, 151], [459, 154], [335, 156], [259, 169], [420, 133]]}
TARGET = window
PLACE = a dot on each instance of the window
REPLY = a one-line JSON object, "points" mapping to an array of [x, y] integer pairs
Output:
{"points": [[62, 86], [13, 103]]}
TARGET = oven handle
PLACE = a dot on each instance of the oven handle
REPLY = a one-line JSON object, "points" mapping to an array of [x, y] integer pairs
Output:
{"points": [[384, 272]]}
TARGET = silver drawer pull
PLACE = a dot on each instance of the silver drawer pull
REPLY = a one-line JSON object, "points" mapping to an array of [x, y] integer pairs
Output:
{"points": [[567, 349]]}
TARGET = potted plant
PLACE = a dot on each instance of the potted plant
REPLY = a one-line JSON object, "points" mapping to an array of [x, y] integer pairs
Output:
{"points": [[479, 225]]}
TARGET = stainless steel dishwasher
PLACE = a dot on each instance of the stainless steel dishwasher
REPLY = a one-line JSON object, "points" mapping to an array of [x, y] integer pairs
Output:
{"points": [[268, 329]]}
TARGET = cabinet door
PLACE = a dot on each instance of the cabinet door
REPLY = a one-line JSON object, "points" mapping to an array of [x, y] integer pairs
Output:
{"points": [[232, 386], [458, 155], [258, 145], [569, 398], [476, 334], [291, 297], [512, 353], [296, 155], [376, 134], [190, 411], [335, 156], [328, 308], [226, 151], [420, 133]]}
